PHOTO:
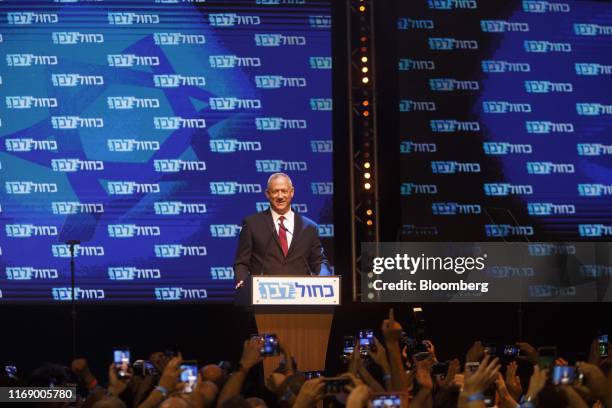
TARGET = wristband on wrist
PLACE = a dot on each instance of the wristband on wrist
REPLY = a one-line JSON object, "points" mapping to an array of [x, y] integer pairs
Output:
{"points": [[477, 396], [527, 401], [162, 390]]}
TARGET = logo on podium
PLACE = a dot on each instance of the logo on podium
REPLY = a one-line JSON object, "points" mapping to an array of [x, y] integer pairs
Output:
{"points": [[296, 290]]}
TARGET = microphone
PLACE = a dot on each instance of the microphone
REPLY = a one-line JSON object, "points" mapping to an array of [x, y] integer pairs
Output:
{"points": [[303, 258], [71, 244], [240, 284], [310, 271], [284, 228]]}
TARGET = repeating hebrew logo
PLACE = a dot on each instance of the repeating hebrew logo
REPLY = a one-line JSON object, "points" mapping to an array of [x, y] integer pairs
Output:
{"points": [[293, 290]]}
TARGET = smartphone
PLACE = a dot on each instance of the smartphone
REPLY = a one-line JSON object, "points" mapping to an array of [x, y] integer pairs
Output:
{"points": [[423, 355], [439, 370], [471, 367], [510, 350], [11, 371], [335, 385], [490, 348], [602, 341], [388, 400], [419, 322], [547, 357], [150, 369], [189, 375], [489, 395], [144, 368], [421, 347], [406, 341], [138, 368], [563, 375], [312, 374], [270, 346], [366, 340], [348, 346], [121, 358], [420, 350]]}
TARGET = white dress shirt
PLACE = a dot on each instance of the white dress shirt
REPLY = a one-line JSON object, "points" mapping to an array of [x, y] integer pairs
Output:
{"points": [[289, 223]]}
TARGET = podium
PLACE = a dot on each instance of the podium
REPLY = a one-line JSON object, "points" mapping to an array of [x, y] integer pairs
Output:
{"points": [[299, 310]]}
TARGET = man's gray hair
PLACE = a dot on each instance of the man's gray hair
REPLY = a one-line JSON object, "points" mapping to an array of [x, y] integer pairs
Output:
{"points": [[277, 175]]}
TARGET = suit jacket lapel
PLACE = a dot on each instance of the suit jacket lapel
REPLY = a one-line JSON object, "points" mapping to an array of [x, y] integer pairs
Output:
{"points": [[272, 227], [297, 228]]}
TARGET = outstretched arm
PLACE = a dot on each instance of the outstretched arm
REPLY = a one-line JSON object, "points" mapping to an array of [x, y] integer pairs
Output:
{"points": [[250, 357], [392, 332]]}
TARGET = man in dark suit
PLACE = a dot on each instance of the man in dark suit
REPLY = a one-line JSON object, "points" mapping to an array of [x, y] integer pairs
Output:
{"points": [[279, 241]]}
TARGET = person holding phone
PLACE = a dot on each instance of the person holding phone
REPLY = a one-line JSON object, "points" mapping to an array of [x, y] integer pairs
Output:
{"points": [[251, 356], [279, 241]]}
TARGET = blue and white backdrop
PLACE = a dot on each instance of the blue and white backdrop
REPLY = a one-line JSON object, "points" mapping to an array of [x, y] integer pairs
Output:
{"points": [[147, 130]]}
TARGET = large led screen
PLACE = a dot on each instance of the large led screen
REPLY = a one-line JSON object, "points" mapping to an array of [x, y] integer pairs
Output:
{"points": [[146, 130], [506, 114]]}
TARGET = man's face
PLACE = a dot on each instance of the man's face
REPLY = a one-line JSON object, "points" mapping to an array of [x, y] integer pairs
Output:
{"points": [[280, 194]]}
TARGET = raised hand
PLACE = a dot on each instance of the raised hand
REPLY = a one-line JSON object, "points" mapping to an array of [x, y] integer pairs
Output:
{"points": [[423, 374], [392, 330], [159, 360], [505, 399], [454, 368], [310, 393], [431, 349], [502, 388], [379, 356], [573, 399], [355, 381], [251, 352], [170, 376], [475, 353], [536, 382], [359, 397], [483, 377], [513, 381], [596, 382], [355, 363], [459, 381], [594, 357], [529, 353], [116, 386]]}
